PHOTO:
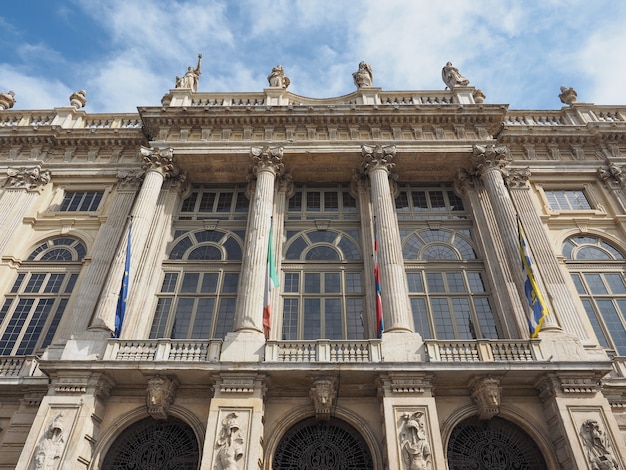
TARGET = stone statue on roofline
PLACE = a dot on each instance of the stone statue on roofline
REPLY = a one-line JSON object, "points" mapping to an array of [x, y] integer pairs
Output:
{"points": [[7, 100], [277, 78], [452, 77], [568, 95], [191, 77], [363, 77]]}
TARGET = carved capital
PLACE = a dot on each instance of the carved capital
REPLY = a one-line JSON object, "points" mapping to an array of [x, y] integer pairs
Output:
{"points": [[130, 179], [485, 392], [323, 393], [266, 159], [285, 184], [612, 174], [161, 160], [517, 178], [160, 394], [30, 178], [378, 156], [488, 157]]}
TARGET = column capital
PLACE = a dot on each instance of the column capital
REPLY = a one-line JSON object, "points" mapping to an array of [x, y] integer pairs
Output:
{"points": [[31, 178], [612, 174], [517, 177], [488, 157], [160, 160], [130, 179], [267, 159], [377, 156]]}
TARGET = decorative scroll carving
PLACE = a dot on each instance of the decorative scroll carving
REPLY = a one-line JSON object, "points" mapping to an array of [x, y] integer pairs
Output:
{"points": [[364, 76], [612, 174], [50, 449], [230, 444], [277, 78], [7, 100], [161, 160], [160, 395], [485, 392], [323, 393], [377, 156], [416, 452], [488, 157], [27, 178], [597, 446]]}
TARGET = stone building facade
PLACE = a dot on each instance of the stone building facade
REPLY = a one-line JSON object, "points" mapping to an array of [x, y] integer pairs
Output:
{"points": [[218, 368]]}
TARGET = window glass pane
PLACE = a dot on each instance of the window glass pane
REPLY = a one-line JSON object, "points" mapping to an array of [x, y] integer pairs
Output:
{"points": [[312, 283], [486, 321], [209, 283], [578, 282], [594, 281], [414, 280], [190, 282], [18, 283], [223, 202], [295, 202], [207, 202], [437, 201], [354, 318], [204, 319], [332, 319], [331, 201], [54, 283], [160, 318], [442, 319], [184, 310], [35, 327], [616, 283], [420, 317], [14, 326], [292, 282], [169, 282], [290, 319], [475, 281], [402, 202], [54, 323], [463, 318], [455, 282], [349, 203], [312, 319], [231, 280], [435, 282], [332, 282], [353, 283], [419, 200], [225, 317], [313, 201]]}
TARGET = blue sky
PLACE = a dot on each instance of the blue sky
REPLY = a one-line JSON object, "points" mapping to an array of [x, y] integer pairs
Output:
{"points": [[128, 53]]}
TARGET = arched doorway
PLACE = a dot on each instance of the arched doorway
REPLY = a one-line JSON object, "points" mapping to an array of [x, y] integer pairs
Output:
{"points": [[154, 445], [493, 444], [322, 445]]}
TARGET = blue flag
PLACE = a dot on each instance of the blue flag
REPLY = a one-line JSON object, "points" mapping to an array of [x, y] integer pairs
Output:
{"points": [[121, 301], [538, 307]]}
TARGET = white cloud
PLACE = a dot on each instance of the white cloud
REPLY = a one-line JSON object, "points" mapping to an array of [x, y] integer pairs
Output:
{"points": [[34, 92]]}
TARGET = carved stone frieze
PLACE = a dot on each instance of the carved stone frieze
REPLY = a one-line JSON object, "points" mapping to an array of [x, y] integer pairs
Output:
{"points": [[161, 160], [323, 393], [230, 444], [597, 446], [414, 445], [160, 394], [51, 445], [30, 178], [485, 392]]}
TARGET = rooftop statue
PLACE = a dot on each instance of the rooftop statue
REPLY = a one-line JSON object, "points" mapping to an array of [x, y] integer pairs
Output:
{"points": [[452, 77], [78, 99], [7, 100], [277, 78], [363, 77], [568, 95], [190, 79]]}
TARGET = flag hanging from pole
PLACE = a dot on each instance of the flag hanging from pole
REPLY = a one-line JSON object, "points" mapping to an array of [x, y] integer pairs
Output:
{"points": [[121, 301], [380, 323], [271, 281], [538, 307]]}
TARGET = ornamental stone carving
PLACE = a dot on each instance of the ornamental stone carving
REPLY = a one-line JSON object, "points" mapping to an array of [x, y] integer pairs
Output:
{"points": [[191, 77], [230, 444], [7, 100], [612, 174], [161, 160], [416, 451], [78, 99], [517, 178], [277, 78], [50, 449], [377, 156], [597, 447], [488, 157], [33, 178], [160, 394], [485, 392], [452, 77], [323, 393], [568, 95], [364, 76], [264, 158]]}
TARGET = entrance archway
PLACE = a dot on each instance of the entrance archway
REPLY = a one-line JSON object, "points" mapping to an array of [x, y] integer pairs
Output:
{"points": [[154, 445], [322, 445], [493, 444]]}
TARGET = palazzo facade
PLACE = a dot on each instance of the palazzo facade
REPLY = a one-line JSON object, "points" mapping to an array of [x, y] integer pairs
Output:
{"points": [[312, 283]]}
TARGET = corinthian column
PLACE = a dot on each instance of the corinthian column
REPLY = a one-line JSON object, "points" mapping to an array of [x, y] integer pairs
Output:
{"points": [[158, 164], [489, 163], [377, 163], [266, 164]]}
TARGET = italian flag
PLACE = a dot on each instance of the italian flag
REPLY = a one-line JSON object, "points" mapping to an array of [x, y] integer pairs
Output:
{"points": [[271, 281]]}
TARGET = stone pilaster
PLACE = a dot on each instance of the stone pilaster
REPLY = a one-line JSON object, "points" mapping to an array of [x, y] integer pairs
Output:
{"points": [[235, 425], [21, 188], [377, 163], [247, 341], [158, 164], [410, 421]]}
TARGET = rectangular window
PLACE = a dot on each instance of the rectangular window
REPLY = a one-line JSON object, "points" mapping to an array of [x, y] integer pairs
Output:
{"points": [[334, 203], [207, 202], [428, 203], [568, 200], [81, 201]]}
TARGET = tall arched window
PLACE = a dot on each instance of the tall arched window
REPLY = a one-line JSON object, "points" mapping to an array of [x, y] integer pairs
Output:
{"points": [[323, 285], [199, 288], [597, 269], [35, 304]]}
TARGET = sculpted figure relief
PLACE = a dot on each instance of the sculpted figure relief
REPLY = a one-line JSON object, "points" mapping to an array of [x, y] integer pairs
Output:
{"points": [[277, 78], [50, 449], [363, 77], [191, 77], [230, 444], [597, 447], [452, 77], [416, 452]]}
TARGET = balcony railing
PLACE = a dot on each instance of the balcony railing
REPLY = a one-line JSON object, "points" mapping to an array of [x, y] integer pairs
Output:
{"points": [[163, 350], [18, 366], [323, 351], [484, 351]]}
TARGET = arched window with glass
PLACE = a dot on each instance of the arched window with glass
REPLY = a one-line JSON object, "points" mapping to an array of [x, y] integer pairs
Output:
{"points": [[597, 269], [323, 293], [199, 287], [33, 307]]}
